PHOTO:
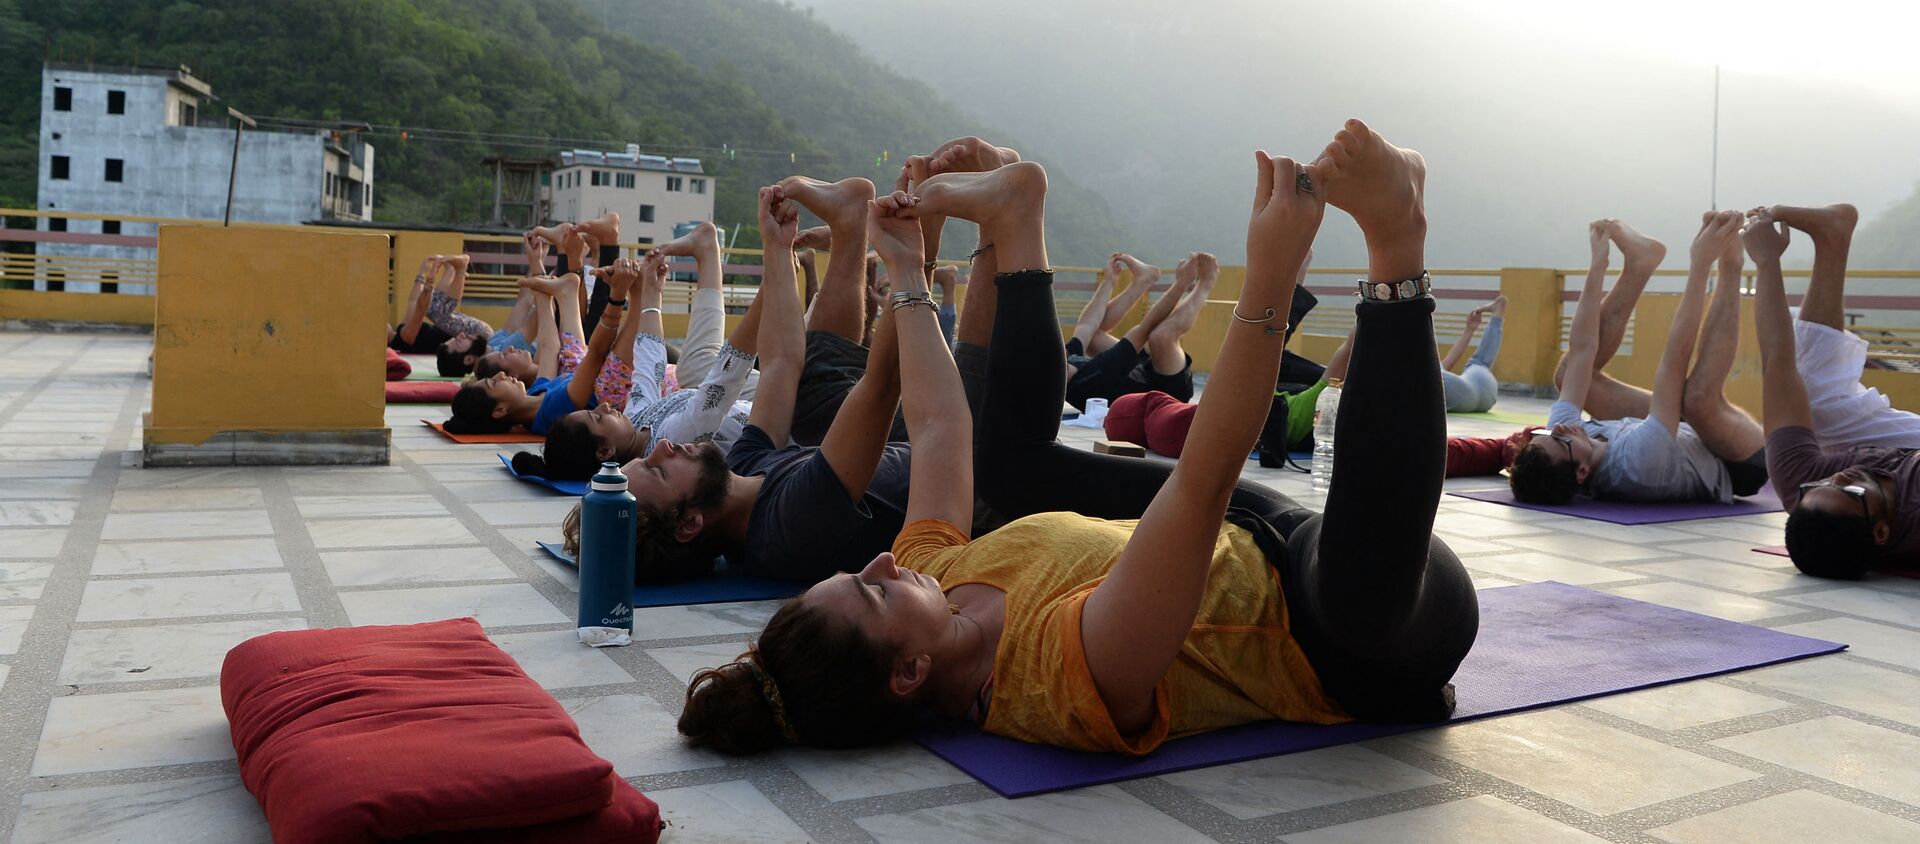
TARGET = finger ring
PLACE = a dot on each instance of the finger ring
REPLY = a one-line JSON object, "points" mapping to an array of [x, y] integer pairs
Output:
{"points": [[1303, 183]]}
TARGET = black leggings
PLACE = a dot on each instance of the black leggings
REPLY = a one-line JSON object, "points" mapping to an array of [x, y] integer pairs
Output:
{"points": [[1384, 611]]}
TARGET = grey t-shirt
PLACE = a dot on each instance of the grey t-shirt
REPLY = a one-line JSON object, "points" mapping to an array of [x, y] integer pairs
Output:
{"points": [[1644, 463]]}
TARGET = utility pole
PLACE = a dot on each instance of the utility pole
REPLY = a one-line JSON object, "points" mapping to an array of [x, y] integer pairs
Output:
{"points": [[1713, 191], [240, 122]]}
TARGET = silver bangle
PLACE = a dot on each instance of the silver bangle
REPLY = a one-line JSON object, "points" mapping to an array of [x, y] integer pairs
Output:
{"points": [[645, 311], [904, 299], [1267, 321]]}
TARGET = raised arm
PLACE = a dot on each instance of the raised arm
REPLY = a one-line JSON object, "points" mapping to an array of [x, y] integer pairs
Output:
{"points": [[1136, 621], [1459, 350], [783, 333], [1783, 395], [1583, 338], [580, 389], [422, 293], [936, 405]]}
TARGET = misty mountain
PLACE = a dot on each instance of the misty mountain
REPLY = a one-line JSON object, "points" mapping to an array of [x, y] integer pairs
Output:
{"points": [[1528, 135]]}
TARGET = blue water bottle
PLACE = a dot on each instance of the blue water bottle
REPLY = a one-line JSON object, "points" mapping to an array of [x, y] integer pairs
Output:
{"points": [[607, 514]]}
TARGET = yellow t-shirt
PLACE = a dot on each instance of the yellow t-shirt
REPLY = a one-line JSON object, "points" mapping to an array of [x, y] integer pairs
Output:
{"points": [[1239, 663]]}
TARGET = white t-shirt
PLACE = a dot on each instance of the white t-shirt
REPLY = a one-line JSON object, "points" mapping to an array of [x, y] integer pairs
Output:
{"points": [[714, 409], [1644, 463]]}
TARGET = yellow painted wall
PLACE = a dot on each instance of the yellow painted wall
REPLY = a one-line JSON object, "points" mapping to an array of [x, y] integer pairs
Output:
{"points": [[112, 308], [267, 330]]}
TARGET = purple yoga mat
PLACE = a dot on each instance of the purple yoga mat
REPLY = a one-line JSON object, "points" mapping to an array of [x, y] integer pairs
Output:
{"points": [[1540, 644], [1639, 512]]}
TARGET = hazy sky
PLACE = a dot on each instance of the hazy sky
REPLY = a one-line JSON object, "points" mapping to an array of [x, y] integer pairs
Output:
{"points": [[1535, 116]]}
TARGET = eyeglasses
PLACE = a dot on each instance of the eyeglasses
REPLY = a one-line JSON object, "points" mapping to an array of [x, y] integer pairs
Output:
{"points": [[1559, 438], [1853, 491]]}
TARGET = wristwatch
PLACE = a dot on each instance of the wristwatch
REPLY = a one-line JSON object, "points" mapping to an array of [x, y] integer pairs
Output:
{"points": [[1396, 291]]}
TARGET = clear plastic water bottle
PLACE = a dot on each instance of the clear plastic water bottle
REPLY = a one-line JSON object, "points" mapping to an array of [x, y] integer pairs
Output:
{"points": [[607, 515], [1323, 414]]}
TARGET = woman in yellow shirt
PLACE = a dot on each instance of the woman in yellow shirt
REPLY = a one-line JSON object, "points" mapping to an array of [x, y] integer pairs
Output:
{"points": [[1158, 603]]}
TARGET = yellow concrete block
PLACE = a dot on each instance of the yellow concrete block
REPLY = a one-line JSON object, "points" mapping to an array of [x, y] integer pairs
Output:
{"points": [[269, 331], [1530, 347]]}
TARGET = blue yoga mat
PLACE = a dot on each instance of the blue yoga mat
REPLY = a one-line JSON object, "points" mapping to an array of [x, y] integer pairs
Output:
{"points": [[1638, 512], [564, 487], [719, 589], [1540, 644]]}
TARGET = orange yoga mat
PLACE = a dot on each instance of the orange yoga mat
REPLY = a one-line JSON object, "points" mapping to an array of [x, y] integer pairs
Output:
{"points": [[486, 439]]}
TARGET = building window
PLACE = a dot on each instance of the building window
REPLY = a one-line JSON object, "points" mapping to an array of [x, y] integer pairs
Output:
{"points": [[63, 99], [329, 187], [699, 185], [674, 184], [115, 168], [109, 283], [602, 178], [646, 213], [116, 102], [109, 226], [367, 192], [59, 167], [623, 180], [56, 224]]}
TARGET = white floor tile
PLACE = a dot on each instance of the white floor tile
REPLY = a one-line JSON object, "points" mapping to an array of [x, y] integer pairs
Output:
{"points": [[206, 809], [23, 581], [370, 533], [1883, 692], [1704, 601], [1475, 820], [186, 524], [1866, 757], [1102, 813], [1791, 818], [1683, 705], [186, 555], [557, 660], [183, 597], [31, 543], [504, 605], [13, 626], [163, 652], [1579, 762], [871, 772], [368, 506], [724, 813], [413, 566], [636, 735], [133, 730], [1865, 639], [208, 498], [1296, 781]]}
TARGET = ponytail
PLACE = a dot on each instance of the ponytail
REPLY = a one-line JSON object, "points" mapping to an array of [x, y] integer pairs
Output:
{"points": [[812, 678], [473, 412]]}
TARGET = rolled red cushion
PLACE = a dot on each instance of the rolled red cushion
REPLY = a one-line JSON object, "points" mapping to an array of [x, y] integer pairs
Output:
{"points": [[397, 367], [370, 733], [1153, 419], [421, 392]]}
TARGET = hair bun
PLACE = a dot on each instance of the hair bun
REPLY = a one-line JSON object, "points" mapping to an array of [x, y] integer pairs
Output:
{"points": [[528, 463]]}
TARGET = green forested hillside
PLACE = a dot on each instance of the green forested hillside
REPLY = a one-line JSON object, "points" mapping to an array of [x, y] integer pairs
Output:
{"points": [[542, 68], [1891, 239]]}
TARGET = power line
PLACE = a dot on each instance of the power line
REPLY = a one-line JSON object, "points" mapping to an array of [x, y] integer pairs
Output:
{"points": [[551, 143]]}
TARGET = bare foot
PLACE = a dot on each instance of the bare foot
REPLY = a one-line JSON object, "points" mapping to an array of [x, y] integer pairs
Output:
{"points": [[1198, 273], [818, 237], [1016, 190], [554, 285], [703, 236], [840, 204], [1828, 226], [968, 155], [1638, 249], [1378, 183], [1143, 272], [555, 235], [603, 230], [1496, 308]]}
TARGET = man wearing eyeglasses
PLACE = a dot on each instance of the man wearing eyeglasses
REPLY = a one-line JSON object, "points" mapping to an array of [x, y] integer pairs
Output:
{"points": [[1682, 442], [1844, 461]]}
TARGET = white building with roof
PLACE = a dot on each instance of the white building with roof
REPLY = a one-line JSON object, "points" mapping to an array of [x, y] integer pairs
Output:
{"points": [[155, 142], [651, 193]]}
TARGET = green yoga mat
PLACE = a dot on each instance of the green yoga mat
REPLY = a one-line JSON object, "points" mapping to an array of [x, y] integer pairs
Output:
{"points": [[1504, 416]]}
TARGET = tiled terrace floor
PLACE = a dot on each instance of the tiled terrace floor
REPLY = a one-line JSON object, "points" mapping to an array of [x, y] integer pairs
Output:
{"points": [[121, 588]]}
